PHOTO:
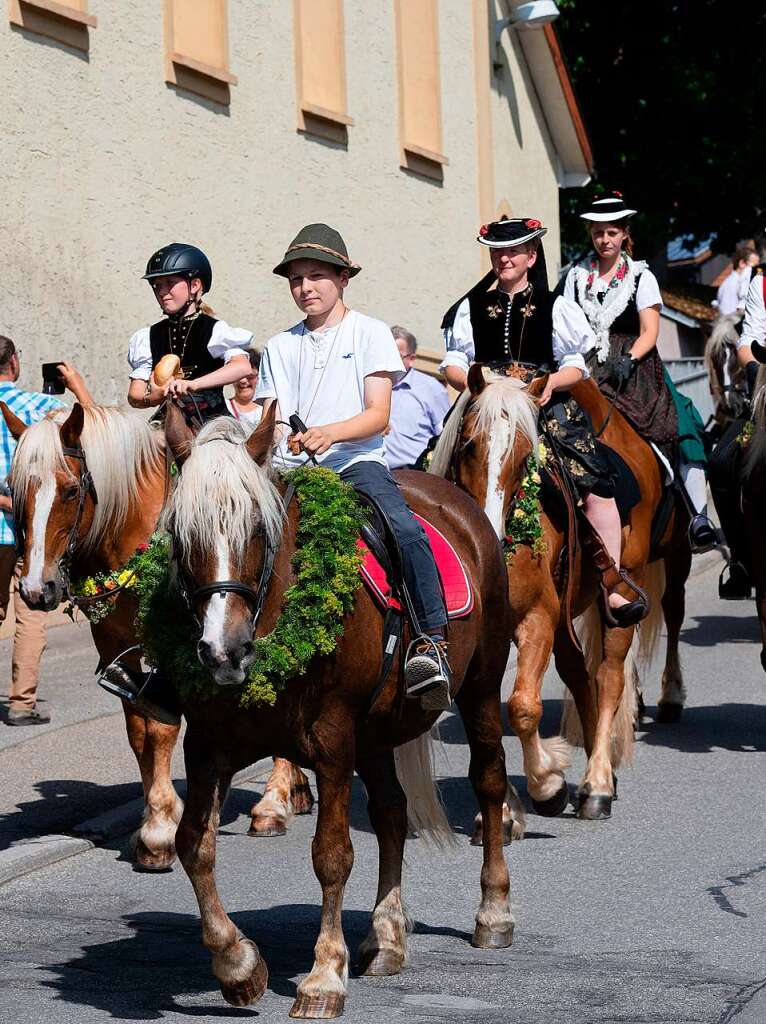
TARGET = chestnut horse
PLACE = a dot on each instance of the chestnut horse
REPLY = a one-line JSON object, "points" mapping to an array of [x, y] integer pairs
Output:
{"points": [[126, 458], [225, 515], [484, 448]]}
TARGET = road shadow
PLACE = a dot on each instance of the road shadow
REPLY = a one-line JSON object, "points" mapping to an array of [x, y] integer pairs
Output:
{"points": [[740, 728], [144, 975], [64, 803], [710, 630]]}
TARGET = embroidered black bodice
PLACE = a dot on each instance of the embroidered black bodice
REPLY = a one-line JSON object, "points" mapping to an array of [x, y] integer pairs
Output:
{"points": [[628, 322], [187, 338], [526, 335]]}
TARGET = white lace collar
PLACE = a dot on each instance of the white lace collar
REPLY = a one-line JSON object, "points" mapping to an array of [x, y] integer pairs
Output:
{"points": [[601, 315]]}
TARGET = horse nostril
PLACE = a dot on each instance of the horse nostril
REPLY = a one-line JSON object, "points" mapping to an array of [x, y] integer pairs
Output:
{"points": [[50, 595]]}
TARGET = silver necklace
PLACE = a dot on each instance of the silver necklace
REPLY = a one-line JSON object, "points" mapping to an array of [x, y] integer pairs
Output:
{"points": [[338, 332]]}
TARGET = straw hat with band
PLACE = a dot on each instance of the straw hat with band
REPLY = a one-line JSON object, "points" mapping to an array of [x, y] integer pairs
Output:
{"points": [[318, 242], [608, 208]]}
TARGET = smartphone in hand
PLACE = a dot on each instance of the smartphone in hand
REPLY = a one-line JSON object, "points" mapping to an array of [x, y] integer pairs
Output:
{"points": [[53, 382]]}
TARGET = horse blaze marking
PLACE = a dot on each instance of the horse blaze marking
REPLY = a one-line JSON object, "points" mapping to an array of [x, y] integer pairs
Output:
{"points": [[43, 505]]}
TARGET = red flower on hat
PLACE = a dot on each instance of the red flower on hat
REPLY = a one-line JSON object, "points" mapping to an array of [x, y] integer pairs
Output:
{"points": [[533, 225], [483, 230], [618, 194]]}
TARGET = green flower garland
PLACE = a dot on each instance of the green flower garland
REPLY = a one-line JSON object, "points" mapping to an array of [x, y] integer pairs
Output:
{"points": [[524, 523], [100, 586], [326, 565]]}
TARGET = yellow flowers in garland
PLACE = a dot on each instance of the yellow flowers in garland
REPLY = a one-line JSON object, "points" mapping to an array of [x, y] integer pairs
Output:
{"points": [[100, 591], [524, 525], [745, 435]]}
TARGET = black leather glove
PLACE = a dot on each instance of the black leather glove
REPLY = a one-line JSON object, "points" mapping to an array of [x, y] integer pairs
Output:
{"points": [[751, 372], [622, 370]]}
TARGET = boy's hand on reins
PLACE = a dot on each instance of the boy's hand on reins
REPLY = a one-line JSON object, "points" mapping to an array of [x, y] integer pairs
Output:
{"points": [[315, 441], [178, 386]]}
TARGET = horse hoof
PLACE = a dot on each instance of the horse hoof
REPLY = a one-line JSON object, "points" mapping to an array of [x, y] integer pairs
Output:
{"points": [[153, 861], [594, 808], [302, 799], [554, 805], [265, 827], [485, 938], [380, 963], [669, 713], [249, 991], [318, 1007]]}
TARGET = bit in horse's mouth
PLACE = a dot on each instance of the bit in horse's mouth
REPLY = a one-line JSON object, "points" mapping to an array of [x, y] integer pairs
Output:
{"points": [[227, 675]]}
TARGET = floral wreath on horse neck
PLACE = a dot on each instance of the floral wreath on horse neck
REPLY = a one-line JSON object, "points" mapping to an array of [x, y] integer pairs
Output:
{"points": [[523, 524], [326, 567]]}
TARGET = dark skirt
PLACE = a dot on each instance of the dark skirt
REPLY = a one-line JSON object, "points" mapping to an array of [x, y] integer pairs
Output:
{"points": [[569, 432], [645, 401]]}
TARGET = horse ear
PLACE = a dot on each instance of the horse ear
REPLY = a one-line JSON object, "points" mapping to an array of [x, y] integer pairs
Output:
{"points": [[12, 421], [178, 434], [476, 381], [261, 441], [536, 386], [71, 428]]}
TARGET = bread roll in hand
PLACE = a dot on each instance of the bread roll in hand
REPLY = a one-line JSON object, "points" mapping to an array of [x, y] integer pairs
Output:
{"points": [[166, 369]]}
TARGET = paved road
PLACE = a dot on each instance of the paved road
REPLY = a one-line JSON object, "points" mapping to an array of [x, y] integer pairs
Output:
{"points": [[658, 915]]}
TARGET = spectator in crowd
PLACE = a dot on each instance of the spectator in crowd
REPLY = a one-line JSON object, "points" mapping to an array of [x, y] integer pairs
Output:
{"points": [[241, 404], [419, 404], [29, 638], [732, 292]]}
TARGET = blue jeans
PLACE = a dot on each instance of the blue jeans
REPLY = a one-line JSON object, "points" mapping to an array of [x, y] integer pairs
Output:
{"points": [[418, 566]]}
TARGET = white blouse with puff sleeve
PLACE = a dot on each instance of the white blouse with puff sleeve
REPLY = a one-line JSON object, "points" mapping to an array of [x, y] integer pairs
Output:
{"points": [[225, 343], [572, 337]]}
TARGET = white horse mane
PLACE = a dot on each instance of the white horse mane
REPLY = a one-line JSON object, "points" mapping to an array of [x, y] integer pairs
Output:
{"points": [[121, 451], [222, 490], [502, 397]]}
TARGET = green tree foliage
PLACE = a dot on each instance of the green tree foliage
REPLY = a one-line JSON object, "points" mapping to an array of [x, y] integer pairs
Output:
{"points": [[674, 98]]}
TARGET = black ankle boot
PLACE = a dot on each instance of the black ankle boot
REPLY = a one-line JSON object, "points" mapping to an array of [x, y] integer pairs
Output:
{"points": [[702, 534], [149, 693], [737, 587]]}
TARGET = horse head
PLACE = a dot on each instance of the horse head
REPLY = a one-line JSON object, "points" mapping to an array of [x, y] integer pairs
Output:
{"points": [[53, 502], [488, 437], [225, 519]]}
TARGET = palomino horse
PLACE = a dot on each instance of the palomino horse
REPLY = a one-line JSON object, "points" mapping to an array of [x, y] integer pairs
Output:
{"points": [[126, 459], [484, 448], [754, 500], [226, 516]]}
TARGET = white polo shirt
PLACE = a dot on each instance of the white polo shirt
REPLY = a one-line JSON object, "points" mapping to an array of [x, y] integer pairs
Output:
{"points": [[320, 376]]}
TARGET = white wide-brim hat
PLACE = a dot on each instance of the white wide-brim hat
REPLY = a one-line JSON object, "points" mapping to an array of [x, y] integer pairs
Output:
{"points": [[608, 208]]}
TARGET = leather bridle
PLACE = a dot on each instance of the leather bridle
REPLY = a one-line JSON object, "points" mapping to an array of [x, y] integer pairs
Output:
{"points": [[85, 487], [254, 596]]}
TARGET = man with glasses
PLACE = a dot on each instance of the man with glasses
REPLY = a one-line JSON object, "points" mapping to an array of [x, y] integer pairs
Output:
{"points": [[29, 638], [419, 404]]}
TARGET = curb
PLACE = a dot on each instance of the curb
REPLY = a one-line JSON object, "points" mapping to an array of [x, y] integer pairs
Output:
{"points": [[43, 851]]}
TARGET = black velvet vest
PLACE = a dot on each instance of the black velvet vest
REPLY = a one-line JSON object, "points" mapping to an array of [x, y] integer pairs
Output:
{"points": [[168, 336], [628, 322], [530, 338]]}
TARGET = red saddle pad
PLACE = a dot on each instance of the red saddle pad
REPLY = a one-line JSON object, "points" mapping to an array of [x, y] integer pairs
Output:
{"points": [[455, 583]]}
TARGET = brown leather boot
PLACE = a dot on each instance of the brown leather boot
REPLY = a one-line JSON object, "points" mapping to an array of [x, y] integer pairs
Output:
{"points": [[611, 577]]}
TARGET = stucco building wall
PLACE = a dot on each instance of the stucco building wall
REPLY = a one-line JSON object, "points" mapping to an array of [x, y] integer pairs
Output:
{"points": [[102, 162]]}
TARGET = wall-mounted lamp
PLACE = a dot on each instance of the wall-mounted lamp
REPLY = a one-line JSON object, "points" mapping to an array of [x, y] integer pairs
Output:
{"points": [[527, 16]]}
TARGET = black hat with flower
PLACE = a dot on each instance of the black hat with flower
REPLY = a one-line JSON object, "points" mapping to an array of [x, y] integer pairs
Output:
{"points": [[510, 231]]}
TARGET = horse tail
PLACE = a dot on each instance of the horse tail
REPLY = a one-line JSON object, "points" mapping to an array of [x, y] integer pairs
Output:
{"points": [[590, 631], [425, 810]]}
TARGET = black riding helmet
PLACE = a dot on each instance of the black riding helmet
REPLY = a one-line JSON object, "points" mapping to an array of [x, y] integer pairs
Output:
{"points": [[178, 258]]}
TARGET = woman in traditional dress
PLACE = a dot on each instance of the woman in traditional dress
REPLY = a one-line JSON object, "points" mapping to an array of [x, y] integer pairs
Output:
{"points": [[210, 353], [621, 299]]}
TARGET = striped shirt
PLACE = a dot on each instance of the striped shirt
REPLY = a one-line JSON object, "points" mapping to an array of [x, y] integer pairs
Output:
{"points": [[29, 406]]}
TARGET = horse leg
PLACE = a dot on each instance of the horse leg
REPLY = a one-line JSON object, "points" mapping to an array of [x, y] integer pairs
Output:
{"points": [[287, 793], [484, 728], [573, 670], [383, 951], [544, 761], [597, 789], [677, 566], [153, 743], [237, 963], [322, 993]]}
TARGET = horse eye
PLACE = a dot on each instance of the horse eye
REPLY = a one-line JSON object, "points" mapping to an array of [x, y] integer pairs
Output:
{"points": [[469, 448], [69, 493]]}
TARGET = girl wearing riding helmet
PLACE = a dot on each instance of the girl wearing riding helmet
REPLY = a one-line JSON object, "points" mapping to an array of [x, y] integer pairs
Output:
{"points": [[211, 353], [621, 300]]}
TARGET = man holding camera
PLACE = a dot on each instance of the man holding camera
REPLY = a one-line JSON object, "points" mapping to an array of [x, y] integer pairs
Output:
{"points": [[29, 638]]}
